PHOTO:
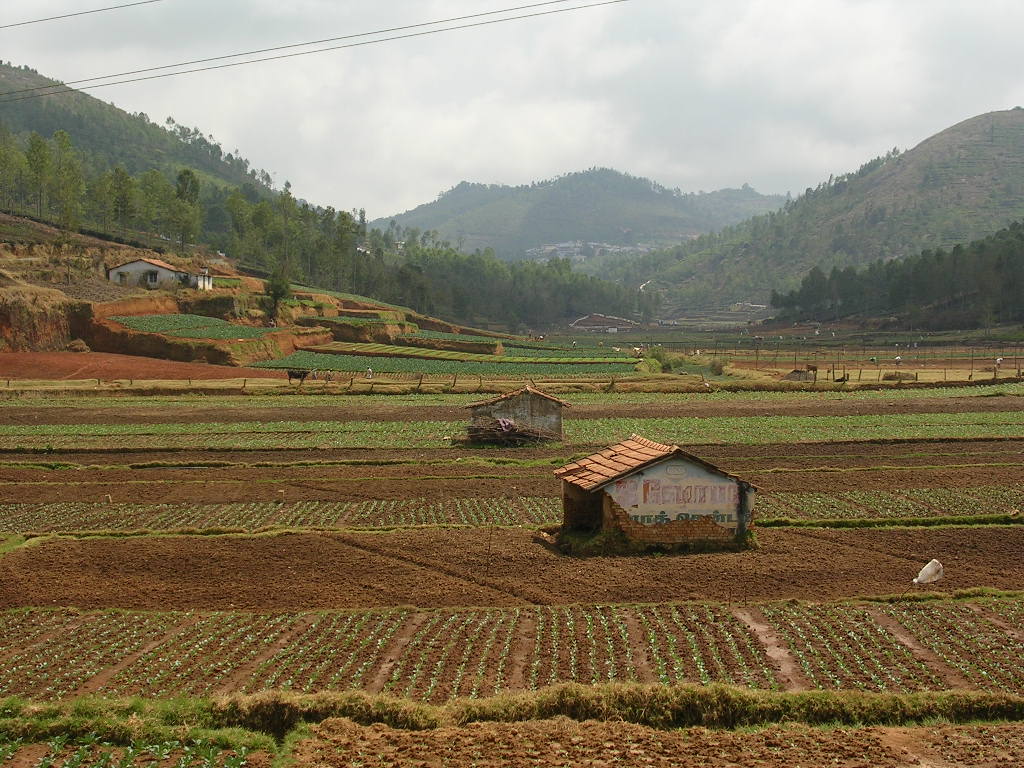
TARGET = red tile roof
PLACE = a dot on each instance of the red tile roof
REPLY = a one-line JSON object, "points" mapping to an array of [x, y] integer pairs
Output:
{"points": [[516, 392], [623, 459]]}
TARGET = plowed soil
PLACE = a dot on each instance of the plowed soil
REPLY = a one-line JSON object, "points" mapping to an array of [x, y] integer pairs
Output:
{"points": [[106, 366], [561, 741], [435, 568], [828, 467]]}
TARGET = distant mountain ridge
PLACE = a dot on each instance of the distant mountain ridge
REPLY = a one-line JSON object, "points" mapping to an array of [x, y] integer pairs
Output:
{"points": [[961, 184], [598, 205]]}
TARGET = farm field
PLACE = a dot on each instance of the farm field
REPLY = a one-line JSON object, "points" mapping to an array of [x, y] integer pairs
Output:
{"points": [[438, 656], [315, 544]]}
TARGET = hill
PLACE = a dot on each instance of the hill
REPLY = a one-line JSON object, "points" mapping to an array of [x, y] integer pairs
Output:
{"points": [[961, 184], [599, 205], [109, 136]]}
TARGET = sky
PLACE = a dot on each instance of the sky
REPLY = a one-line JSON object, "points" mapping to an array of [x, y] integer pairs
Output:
{"points": [[694, 94]]}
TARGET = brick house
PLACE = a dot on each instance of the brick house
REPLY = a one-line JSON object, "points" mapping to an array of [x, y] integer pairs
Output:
{"points": [[654, 494]]}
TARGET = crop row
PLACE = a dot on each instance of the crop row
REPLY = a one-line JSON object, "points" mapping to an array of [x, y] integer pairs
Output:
{"points": [[890, 505], [437, 655], [90, 751], [371, 513], [437, 434], [844, 647]]}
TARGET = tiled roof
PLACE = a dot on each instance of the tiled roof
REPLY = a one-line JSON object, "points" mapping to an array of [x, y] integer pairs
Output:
{"points": [[623, 459], [154, 262], [520, 391]]}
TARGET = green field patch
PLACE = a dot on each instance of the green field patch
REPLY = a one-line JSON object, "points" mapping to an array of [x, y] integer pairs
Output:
{"points": [[79, 517], [191, 327], [437, 365], [294, 435]]}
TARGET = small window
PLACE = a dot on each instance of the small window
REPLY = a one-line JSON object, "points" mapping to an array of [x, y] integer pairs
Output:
{"points": [[152, 276]]}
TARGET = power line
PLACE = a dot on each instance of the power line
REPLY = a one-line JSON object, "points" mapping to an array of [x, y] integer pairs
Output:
{"points": [[281, 48], [307, 53], [78, 13]]}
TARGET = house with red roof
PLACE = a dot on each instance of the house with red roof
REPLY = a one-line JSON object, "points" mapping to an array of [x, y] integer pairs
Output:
{"points": [[654, 494], [154, 273]]}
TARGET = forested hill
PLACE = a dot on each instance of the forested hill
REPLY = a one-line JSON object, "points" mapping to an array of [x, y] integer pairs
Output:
{"points": [[954, 187], [599, 205], [108, 136], [966, 287]]}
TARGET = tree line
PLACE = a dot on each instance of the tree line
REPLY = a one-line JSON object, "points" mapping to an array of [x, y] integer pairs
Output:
{"points": [[274, 233], [970, 286]]}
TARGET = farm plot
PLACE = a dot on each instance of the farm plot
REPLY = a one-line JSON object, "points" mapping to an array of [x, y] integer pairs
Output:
{"points": [[393, 351], [46, 666], [967, 641], [200, 655], [255, 515], [92, 751], [842, 646], [493, 367], [191, 327], [295, 435], [436, 656], [888, 505], [430, 656]]}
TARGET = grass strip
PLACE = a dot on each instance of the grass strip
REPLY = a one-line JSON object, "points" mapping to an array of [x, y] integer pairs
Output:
{"points": [[263, 720]]}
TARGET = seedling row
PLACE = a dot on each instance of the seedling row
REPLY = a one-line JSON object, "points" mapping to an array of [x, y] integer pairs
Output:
{"points": [[479, 511], [439, 434], [372, 513], [438, 655]]}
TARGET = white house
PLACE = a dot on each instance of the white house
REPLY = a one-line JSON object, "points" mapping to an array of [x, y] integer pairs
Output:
{"points": [[153, 273]]}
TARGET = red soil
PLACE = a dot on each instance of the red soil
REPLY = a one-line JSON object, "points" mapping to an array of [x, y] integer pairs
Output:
{"points": [[101, 365], [561, 741], [436, 568]]}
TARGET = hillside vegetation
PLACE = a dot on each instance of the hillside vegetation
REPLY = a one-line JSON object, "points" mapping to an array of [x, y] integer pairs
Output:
{"points": [[107, 136], [599, 205], [966, 287], [961, 184], [83, 165]]}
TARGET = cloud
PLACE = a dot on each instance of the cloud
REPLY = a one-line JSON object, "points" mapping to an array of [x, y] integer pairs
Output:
{"points": [[691, 94]]}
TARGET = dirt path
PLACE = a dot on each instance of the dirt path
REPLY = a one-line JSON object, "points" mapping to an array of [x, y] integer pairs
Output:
{"points": [[928, 657], [786, 667]]}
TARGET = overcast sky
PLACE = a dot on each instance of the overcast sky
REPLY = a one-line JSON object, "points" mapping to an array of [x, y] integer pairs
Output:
{"points": [[695, 94]]}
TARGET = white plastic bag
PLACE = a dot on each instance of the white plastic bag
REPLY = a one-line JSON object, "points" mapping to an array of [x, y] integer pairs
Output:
{"points": [[930, 573]]}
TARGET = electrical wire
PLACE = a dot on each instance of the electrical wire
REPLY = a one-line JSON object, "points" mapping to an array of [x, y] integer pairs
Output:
{"points": [[305, 53], [78, 13], [281, 48]]}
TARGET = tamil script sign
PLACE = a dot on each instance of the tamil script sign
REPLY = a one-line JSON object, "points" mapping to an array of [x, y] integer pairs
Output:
{"points": [[677, 490]]}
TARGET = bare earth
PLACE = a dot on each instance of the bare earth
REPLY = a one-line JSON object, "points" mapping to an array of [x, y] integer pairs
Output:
{"points": [[464, 567], [564, 742]]}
